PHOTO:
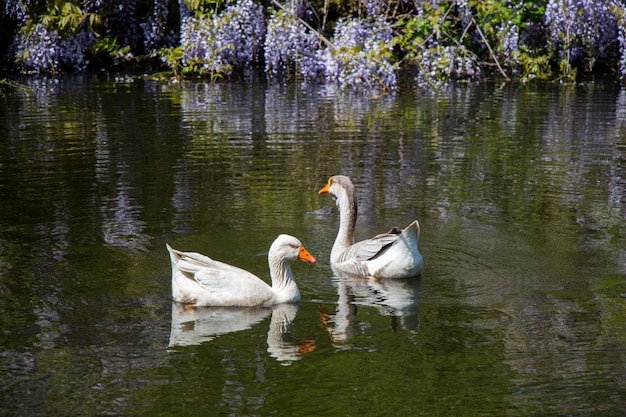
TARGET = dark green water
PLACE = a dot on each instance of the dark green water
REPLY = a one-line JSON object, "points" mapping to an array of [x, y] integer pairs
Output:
{"points": [[520, 192]]}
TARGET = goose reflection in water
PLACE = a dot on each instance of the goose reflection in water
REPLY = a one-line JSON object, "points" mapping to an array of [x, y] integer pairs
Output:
{"points": [[396, 298], [193, 325]]}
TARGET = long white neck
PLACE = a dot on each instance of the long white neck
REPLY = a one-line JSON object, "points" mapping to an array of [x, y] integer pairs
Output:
{"points": [[283, 284], [347, 221]]}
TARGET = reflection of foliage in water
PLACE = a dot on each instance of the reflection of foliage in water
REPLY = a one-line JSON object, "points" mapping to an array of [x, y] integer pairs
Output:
{"points": [[534, 178]]}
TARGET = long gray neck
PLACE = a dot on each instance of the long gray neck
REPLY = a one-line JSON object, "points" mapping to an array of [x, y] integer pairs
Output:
{"points": [[347, 205]]}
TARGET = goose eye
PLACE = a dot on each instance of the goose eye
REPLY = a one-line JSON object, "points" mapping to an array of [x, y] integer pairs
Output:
{"points": [[291, 245]]}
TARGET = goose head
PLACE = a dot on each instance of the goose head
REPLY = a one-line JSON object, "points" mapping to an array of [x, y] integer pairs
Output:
{"points": [[289, 248], [341, 189]]}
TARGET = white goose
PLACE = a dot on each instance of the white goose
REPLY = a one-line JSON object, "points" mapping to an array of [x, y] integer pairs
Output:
{"points": [[200, 280], [389, 255]]}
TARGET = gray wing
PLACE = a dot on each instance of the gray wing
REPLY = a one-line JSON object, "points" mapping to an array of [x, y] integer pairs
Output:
{"points": [[369, 248]]}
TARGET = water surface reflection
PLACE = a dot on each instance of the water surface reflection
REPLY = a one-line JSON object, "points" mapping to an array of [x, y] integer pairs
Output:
{"points": [[521, 196], [193, 325], [394, 298]]}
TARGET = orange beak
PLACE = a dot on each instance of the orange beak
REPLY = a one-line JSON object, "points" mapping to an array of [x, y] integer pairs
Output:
{"points": [[325, 189], [305, 256]]}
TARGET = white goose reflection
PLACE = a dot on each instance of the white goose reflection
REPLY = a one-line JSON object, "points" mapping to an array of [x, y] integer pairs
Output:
{"points": [[396, 298], [193, 325]]}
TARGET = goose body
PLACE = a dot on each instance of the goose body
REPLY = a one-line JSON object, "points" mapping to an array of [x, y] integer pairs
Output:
{"points": [[202, 281], [389, 255]]}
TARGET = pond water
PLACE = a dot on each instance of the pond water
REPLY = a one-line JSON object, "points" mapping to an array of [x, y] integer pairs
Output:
{"points": [[521, 196]]}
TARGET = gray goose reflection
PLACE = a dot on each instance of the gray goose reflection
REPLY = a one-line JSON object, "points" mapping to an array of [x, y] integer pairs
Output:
{"points": [[194, 325], [396, 298]]}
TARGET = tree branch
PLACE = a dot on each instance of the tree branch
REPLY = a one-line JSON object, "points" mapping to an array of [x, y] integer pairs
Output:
{"points": [[493, 56], [319, 35]]}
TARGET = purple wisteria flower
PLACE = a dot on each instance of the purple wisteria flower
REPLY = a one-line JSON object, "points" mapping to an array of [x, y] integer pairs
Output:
{"points": [[290, 44], [583, 29], [39, 50], [361, 55], [231, 39], [17, 10]]}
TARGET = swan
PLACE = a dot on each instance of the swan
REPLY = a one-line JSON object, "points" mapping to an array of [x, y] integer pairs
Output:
{"points": [[389, 255], [202, 281]]}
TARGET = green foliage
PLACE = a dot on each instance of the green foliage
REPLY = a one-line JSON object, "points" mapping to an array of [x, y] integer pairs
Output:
{"points": [[533, 67], [495, 18], [567, 72], [196, 66], [443, 36], [173, 57], [201, 7], [416, 30], [435, 41], [491, 13], [109, 47], [65, 16]]}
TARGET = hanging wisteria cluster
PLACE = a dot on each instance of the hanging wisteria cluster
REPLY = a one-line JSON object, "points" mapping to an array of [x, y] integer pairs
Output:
{"points": [[361, 55], [583, 30], [223, 42], [621, 37], [40, 50], [289, 44], [358, 44], [509, 33], [17, 10], [437, 61], [43, 50], [154, 30]]}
